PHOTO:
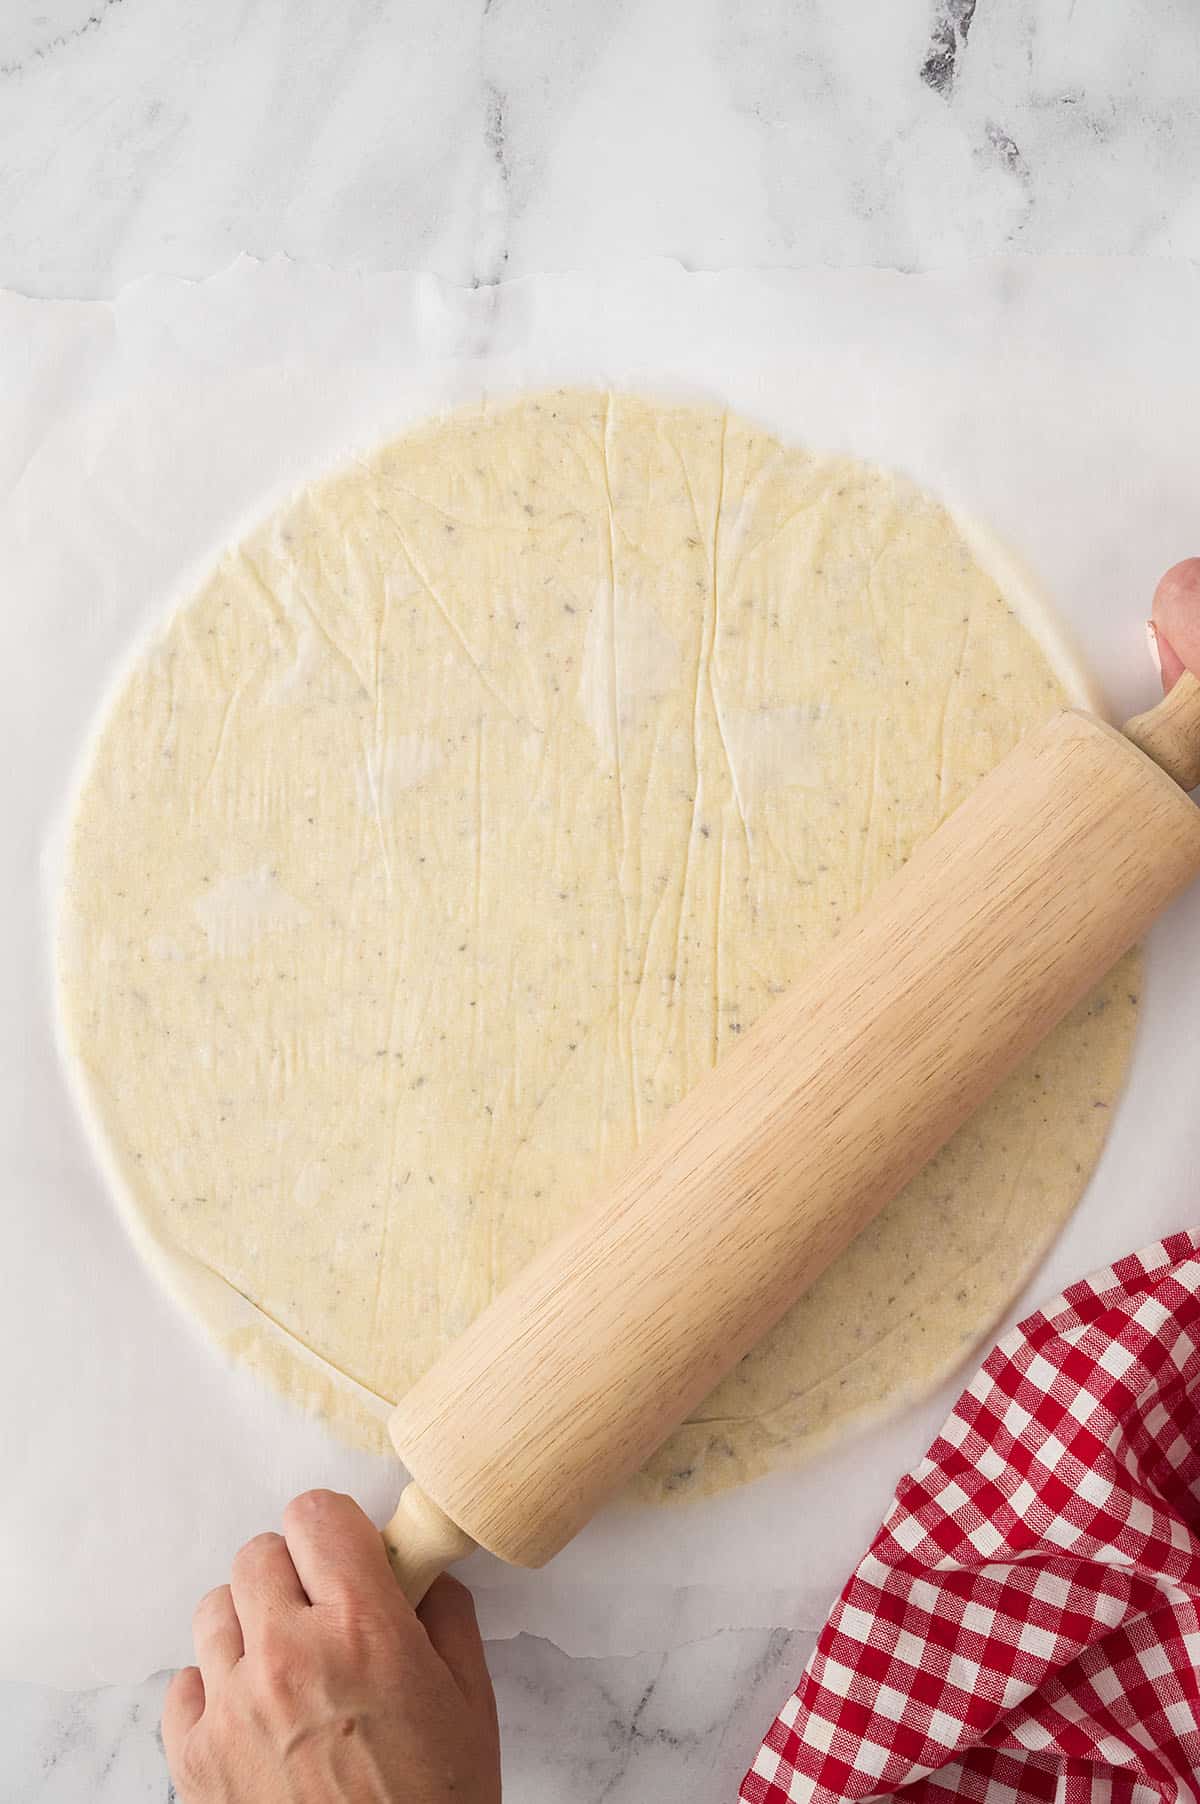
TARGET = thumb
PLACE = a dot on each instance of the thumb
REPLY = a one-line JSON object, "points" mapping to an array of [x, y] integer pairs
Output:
{"points": [[448, 1615], [1175, 621]]}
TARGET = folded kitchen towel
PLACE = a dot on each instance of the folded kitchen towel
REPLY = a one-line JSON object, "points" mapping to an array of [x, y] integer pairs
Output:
{"points": [[1026, 1624]]}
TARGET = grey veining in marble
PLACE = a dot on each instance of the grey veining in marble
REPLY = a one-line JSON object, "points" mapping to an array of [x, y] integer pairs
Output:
{"points": [[483, 138], [680, 1728]]}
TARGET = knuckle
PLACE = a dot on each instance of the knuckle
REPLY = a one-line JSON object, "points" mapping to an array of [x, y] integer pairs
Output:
{"points": [[255, 1550], [213, 1603], [349, 1614], [310, 1505], [184, 1684], [278, 1679], [343, 1588], [352, 1601]]}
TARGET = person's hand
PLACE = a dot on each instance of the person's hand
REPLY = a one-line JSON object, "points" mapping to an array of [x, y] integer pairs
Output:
{"points": [[317, 1683], [1175, 621]]}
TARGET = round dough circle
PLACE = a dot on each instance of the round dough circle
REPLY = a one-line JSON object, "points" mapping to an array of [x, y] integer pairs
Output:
{"points": [[479, 799]]}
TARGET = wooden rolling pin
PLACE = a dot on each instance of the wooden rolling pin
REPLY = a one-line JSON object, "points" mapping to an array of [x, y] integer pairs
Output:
{"points": [[1000, 923]]}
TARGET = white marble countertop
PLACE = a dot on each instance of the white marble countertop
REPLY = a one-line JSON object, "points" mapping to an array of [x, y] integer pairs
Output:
{"points": [[678, 1729], [488, 138], [485, 139]]}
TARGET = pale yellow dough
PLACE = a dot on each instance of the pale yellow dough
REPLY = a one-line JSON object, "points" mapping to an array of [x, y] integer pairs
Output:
{"points": [[474, 806]]}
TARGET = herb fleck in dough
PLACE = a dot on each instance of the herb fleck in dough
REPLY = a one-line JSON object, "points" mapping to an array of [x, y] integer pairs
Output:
{"points": [[475, 805]]}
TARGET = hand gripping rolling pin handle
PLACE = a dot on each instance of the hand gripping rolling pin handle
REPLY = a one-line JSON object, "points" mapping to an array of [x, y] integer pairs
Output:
{"points": [[421, 1539]]}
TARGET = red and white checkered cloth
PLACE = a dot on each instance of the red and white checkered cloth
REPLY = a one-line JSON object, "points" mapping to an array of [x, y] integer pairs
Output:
{"points": [[1026, 1624]]}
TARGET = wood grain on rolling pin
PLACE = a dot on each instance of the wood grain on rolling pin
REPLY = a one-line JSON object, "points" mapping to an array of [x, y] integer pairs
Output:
{"points": [[1002, 921]]}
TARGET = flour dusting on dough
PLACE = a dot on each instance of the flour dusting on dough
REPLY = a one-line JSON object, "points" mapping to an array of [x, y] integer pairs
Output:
{"points": [[239, 911]]}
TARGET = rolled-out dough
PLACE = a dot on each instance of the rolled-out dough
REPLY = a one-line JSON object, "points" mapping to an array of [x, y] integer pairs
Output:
{"points": [[478, 801]]}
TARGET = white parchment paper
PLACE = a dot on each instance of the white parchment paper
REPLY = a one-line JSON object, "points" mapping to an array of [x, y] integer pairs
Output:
{"points": [[1057, 401]]}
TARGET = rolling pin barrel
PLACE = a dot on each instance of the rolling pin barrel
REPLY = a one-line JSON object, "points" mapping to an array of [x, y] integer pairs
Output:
{"points": [[961, 963]]}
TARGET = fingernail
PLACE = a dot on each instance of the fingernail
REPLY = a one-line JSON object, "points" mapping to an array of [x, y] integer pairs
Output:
{"points": [[1152, 641]]}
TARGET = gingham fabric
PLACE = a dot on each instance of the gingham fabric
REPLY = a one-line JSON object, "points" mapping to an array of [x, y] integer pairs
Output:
{"points": [[1026, 1624]]}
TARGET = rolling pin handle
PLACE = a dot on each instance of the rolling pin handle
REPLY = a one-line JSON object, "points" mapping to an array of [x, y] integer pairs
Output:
{"points": [[421, 1542], [1170, 733]]}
